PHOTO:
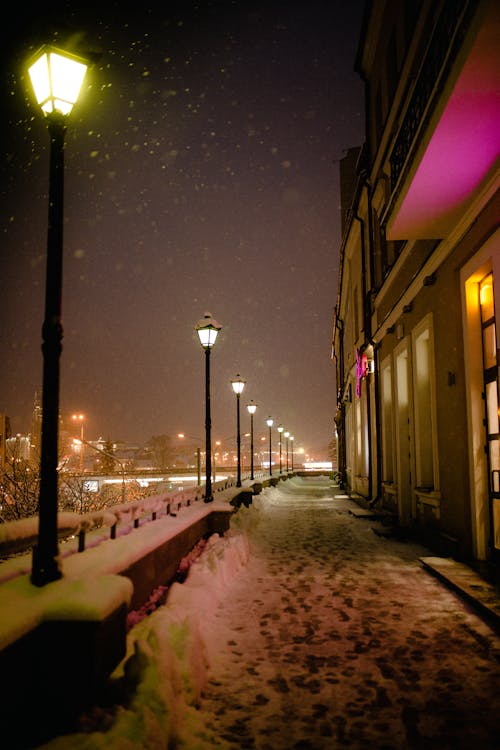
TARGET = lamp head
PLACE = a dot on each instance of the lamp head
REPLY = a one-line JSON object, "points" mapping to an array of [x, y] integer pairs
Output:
{"points": [[238, 385], [207, 329], [270, 421], [56, 77], [251, 407]]}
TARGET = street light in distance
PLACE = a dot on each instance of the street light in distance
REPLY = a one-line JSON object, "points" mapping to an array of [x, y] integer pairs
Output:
{"points": [[238, 386], [208, 330], [251, 408], [270, 422]]}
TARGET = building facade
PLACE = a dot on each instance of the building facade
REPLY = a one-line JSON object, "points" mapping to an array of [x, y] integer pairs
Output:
{"points": [[416, 337]]}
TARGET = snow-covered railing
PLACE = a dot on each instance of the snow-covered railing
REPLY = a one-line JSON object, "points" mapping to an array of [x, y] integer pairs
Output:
{"points": [[19, 536]]}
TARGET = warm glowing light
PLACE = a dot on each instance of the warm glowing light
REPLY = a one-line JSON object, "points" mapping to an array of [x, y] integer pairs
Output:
{"points": [[57, 78], [486, 298], [251, 407], [78, 417], [207, 329], [287, 434], [280, 429], [181, 435], [269, 421], [238, 385]]}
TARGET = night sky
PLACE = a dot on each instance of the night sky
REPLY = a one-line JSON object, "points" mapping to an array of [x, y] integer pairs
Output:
{"points": [[201, 175]]}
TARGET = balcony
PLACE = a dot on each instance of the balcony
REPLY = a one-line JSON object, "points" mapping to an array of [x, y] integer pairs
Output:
{"points": [[446, 154]]}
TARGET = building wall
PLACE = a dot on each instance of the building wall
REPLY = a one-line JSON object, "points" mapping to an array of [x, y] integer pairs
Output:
{"points": [[416, 441]]}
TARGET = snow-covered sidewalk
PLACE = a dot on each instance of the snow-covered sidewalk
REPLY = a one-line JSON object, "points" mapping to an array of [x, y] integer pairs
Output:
{"points": [[304, 629]]}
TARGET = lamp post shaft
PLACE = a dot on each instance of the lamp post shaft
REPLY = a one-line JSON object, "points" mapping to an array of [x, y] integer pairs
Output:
{"points": [[208, 428], [251, 447], [45, 563], [238, 439], [270, 456]]}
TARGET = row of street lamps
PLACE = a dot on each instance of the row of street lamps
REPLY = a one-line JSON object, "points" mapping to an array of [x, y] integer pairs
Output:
{"points": [[208, 330], [287, 436]]}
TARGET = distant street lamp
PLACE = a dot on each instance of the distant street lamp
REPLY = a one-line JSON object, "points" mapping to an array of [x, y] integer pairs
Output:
{"points": [[270, 422], [208, 329], [291, 442], [251, 407], [80, 418], [238, 386], [280, 430], [56, 78], [287, 435]]}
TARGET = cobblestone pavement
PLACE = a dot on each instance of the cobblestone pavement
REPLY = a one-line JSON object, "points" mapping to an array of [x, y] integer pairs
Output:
{"points": [[335, 637]]}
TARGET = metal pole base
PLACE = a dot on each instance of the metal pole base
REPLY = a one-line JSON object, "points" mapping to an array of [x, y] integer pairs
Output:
{"points": [[44, 571]]}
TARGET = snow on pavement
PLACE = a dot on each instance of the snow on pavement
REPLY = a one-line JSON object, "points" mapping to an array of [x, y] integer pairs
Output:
{"points": [[333, 637], [304, 629]]}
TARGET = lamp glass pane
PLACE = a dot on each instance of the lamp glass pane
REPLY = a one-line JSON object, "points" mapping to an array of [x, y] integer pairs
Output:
{"points": [[238, 386], [67, 77], [251, 408], [39, 74], [207, 336]]}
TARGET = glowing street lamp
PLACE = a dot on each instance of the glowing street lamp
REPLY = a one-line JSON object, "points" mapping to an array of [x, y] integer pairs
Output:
{"points": [[269, 422], [208, 329], [291, 444], [238, 386], [280, 430], [56, 78], [80, 418], [251, 408]]}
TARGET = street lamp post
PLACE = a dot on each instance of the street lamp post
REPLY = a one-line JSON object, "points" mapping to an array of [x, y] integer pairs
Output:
{"points": [[269, 422], [287, 435], [208, 329], [238, 386], [291, 444], [80, 418], [251, 410], [280, 430], [56, 78]]}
